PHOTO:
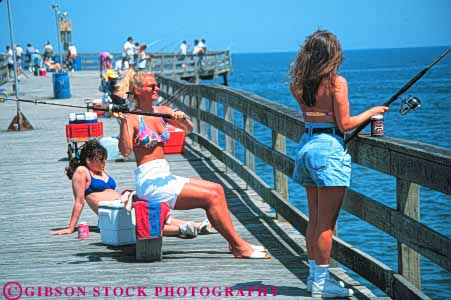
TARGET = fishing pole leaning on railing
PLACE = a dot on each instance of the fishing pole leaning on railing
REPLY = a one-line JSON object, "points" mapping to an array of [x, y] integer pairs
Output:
{"points": [[411, 103]]}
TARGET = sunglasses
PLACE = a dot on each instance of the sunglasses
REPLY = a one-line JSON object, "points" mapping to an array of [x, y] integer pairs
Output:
{"points": [[99, 160], [151, 87]]}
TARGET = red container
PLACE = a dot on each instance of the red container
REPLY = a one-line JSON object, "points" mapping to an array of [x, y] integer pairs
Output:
{"points": [[176, 141], [100, 113], [42, 72], [83, 230], [84, 131]]}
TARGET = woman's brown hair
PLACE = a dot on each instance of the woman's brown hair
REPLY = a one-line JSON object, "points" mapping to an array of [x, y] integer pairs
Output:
{"points": [[318, 60], [90, 150]]}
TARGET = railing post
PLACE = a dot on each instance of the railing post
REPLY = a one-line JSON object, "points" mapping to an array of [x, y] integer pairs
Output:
{"points": [[249, 156], [229, 143], [213, 130], [201, 106], [280, 180], [249, 128], [408, 203]]}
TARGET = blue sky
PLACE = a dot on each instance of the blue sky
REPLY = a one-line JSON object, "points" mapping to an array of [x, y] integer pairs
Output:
{"points": [[241, 25]]}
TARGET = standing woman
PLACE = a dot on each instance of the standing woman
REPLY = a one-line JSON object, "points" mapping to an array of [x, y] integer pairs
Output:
{"points": [[145, 136], [322, 164]]}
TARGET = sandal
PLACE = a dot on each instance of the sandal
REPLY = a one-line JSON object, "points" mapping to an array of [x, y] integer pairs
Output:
{"points": [[206, 228], [254, 247], [256, 255], [187, 231]]}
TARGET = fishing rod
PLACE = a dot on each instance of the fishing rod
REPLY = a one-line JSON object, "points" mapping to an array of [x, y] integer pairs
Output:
{"points": [[111, 108], [399, 93]]}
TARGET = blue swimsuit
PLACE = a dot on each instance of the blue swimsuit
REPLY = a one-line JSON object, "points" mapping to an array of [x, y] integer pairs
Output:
{"points": [[98, 185]]}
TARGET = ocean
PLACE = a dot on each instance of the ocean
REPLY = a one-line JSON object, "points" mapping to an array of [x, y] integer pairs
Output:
{"points": [[373, 77]]}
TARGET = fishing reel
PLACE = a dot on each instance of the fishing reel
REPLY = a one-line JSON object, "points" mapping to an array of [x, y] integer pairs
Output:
{"points": [[119, 104], [411, 103]]}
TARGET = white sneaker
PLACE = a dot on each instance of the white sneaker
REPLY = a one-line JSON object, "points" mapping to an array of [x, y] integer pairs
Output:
{"points": [[187, 230], [310, 282], [330, 289]]}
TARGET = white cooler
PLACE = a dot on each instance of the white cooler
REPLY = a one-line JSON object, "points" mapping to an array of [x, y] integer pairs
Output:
{"points": [[117, 225]]}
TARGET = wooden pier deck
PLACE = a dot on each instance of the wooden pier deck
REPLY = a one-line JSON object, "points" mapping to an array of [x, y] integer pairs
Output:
{"points": [[37, 198]]}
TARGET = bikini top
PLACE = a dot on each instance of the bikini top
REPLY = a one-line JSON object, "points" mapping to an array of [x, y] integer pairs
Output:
{"points": [[98, 185], [148, 139], [317, 113]]}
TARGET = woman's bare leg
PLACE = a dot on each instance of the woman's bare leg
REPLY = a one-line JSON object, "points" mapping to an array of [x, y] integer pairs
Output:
{"points": [[312, 196], [210, 196], [171, 230], [330, 200]]}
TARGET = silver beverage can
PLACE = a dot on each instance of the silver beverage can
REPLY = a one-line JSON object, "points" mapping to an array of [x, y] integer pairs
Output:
{"points": [[377, 125]]}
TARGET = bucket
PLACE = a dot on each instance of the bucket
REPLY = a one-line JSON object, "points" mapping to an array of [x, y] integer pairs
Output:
{"points": [[61, 85]]}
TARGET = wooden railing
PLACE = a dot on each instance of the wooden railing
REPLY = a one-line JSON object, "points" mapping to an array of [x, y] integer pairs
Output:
{"points": [[412, 164], [190, 66], [3, 69]]}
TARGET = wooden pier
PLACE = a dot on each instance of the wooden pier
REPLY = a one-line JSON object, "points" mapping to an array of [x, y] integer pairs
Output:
{"points": [[37, 199]]}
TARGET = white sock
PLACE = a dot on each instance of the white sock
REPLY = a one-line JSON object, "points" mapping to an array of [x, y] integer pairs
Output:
{"points": [[321, 273], [311, 267]]}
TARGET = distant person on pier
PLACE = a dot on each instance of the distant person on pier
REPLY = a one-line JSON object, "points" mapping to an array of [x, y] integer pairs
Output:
{"points": [[127, 52], [143, 58], [10, 61], [29, 51], [51, 65], [145, 136], [70, 57], [199, 51], [203, 45], [135, 53], [91, 184], [183, 48], [19, 55], [322, 164], [183, 52], [36, 62], [48, 50]]}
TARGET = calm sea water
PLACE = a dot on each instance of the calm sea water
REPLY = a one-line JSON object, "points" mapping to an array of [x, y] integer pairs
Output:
{"points": [[373, 77]]}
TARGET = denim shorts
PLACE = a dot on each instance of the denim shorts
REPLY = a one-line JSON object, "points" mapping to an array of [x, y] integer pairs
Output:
{"points": [[321, 159]]}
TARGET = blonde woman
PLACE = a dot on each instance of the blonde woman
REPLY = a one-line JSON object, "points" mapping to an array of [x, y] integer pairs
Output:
{"points": [[145, 136]]}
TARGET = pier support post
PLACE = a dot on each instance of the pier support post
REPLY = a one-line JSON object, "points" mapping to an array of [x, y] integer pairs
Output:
{"points": [[408, 203], [226, 80]]}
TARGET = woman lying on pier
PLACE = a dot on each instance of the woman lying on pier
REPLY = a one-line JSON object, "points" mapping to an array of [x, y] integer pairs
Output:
{"points": [[90, 182], [322, 164], [154, 182]]}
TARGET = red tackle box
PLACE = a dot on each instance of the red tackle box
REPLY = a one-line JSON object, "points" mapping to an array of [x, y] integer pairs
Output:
{"points": [[176, 142], [83, 132]]}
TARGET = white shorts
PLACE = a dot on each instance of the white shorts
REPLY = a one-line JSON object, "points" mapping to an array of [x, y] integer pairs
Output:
{"points": [[154, 182]]}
